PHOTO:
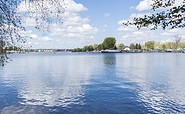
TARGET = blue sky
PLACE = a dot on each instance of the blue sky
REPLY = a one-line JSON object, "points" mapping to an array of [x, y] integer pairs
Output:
{"points": [[105, 14], [88, 22]]}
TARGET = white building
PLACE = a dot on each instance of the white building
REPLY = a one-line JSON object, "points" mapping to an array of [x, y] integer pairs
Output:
{"points": [[127, 49]]}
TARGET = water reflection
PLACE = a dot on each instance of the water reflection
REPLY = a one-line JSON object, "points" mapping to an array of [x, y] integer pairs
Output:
{"points": [[109, 59], [53, 81]]}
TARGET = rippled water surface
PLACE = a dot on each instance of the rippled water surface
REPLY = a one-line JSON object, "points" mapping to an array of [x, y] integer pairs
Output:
{"points": [[93, 83]]}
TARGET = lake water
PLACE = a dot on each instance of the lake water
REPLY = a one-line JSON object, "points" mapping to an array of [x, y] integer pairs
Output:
{"points": [[93, 83]]}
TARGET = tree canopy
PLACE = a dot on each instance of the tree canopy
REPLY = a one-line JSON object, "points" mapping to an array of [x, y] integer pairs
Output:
{"points": [[169, 16], [121, 46], [150, 44], [11, 21], [109, 43]]}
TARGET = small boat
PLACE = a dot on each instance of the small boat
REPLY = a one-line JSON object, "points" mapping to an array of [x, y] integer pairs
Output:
{"points": [[169, 50], [110, 51], [183, 51]]}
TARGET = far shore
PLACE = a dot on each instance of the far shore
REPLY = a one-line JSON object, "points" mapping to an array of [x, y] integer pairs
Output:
{"points": [[103, 51]]}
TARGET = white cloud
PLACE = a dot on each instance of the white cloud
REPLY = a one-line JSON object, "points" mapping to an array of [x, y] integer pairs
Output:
{"points": [[69, 5], [144, 5], [178, 2], [132, 16], [121, 22], [174, 32], [138, 33], [46, 39], [28, 21], [72, 6], [130, 28], [74, 31], [147, 5], [137, 15], [73, 26], [132, 8], [138, 37], [126, 28], [29, 33], [105, 27], [29, 43], [107, 15], [34, 36], [130, 34]]}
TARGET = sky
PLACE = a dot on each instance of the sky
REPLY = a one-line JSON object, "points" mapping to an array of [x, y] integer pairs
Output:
{"points": [[87, 22]]}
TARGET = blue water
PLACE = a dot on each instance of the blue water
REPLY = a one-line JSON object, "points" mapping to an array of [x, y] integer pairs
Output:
{"points": [[93, 83]]}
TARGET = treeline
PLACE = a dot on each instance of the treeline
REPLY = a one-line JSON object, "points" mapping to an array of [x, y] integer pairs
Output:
{"points": [[9, 49], [5, 48], [99, 47], [95, 47], [110, 43], [164, 46]]}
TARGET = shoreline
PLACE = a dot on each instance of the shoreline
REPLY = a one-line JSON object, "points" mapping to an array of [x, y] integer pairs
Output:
{"points": [[84, 52]]}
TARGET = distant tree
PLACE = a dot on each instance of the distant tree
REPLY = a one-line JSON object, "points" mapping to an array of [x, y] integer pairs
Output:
{"points": [[171, 45], [178, 41], [163, 46], [109, 43], [79, 49], [139, 46], [157, 45], [150, 44], [171, 16], [132, 46], [95, 47], [99, 48], [121, 46], [85, 48], [182, 45], [90, 48]]}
